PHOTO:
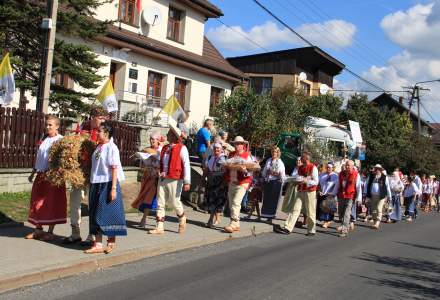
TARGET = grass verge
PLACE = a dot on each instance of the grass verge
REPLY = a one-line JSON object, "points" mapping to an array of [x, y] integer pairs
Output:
{"points": [[14, 207]]}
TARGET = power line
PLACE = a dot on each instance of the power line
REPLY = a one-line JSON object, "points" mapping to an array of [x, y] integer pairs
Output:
{"points": [[243, 35], [311, 44], [332, 38], [428, 113]]}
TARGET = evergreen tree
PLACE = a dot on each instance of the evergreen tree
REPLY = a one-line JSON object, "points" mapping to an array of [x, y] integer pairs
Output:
{"points": [[20, 33]]}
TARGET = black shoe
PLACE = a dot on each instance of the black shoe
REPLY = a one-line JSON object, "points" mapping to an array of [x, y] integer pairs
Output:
{"points": [[281, 230], [71, 240], [310, 234], [86, 243]]}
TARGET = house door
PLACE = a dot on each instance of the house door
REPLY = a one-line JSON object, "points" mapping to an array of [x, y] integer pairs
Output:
{"points": [[112, 75]]}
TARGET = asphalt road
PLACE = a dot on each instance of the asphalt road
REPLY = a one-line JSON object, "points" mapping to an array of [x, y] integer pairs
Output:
{"points": [[400, 261]]}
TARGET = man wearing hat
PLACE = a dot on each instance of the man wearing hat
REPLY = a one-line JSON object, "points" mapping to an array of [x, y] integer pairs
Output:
{"points": [[204, 138], [239, 182], [349, 191], [377, 190], [175, 176]]}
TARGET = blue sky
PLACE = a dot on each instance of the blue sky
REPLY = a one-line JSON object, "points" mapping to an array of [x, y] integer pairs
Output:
{"points": [[382, 40]]}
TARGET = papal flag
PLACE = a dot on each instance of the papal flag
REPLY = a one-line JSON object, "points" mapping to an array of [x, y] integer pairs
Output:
{"points": [[174, 109], [7, 83], [107, 97]]}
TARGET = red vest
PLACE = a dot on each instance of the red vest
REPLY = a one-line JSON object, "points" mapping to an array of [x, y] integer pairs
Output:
{"points": [[175, 163], [349, 192], [306, 170], [241, 179]]}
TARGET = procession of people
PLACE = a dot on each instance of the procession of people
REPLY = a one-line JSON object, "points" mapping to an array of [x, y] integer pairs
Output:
{"points": [[315, 191]]}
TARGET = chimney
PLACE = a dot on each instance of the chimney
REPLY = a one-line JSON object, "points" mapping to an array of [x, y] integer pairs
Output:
{"points": [[401, 100]]}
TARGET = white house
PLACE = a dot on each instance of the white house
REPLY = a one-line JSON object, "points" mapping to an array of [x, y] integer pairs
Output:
{"points": [[159, 52]]}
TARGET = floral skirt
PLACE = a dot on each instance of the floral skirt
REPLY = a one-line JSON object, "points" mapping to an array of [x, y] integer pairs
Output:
{"points": [[216, 194], [147, 195], [106, 217]]}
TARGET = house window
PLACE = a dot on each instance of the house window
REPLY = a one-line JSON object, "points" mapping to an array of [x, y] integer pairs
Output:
{"points": [[63, 80], [261, 85], [127, 11], [305, 87], [180, 90], [154, 84], [174, 31], [216, 95]]}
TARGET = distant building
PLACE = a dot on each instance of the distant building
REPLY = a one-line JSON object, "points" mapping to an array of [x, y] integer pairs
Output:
{"points": [[267, 71], [386, 100], [149, 59]]}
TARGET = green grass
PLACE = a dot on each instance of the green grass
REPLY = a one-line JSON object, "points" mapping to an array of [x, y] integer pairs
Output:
{"points": [[14, 207]]}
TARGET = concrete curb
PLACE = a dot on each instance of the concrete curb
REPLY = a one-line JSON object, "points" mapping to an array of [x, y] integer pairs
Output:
{"points": [[102, 261]]}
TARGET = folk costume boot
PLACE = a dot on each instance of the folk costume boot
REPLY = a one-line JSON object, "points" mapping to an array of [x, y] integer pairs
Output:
{"points": [[159, 227], [182, 223]]}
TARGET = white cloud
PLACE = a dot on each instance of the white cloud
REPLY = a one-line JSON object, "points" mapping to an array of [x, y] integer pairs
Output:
{"points": [[269, 35], [417, 31]]}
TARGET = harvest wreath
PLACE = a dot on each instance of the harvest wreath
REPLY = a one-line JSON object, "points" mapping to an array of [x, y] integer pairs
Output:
{"points": [[70, 161]]}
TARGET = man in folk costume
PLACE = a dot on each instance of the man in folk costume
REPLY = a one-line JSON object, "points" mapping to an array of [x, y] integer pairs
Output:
{"points": [[175, 176], [306, 195], [239, 181], [349, 191], [77, 195], [378, 190]]}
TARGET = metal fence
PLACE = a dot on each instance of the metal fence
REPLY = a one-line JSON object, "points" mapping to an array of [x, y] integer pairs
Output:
{"points": [[21, 130]]}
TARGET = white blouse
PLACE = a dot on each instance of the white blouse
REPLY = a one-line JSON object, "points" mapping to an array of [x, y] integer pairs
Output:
{"points": [[277, 166], [104, 159], [42, 161]]}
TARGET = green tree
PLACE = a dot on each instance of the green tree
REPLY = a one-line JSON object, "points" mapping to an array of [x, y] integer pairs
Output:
{"points": [[387, 133], [22, 36], [249, 115]]}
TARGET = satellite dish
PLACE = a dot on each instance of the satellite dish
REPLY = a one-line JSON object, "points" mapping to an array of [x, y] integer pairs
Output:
{"points": [[302, 76], [152, 16], [323, 89]]}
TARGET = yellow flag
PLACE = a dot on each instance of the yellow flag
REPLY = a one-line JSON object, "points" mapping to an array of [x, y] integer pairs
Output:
{"points": [[107, 97], [173, 109], [7, 83]]}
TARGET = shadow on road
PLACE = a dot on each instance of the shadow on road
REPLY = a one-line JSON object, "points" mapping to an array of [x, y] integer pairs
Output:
{"points": [[420, 246], [411, 278]]}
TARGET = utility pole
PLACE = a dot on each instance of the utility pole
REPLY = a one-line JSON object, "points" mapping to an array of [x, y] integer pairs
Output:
{"points": [[415, 95], [49, 24]]}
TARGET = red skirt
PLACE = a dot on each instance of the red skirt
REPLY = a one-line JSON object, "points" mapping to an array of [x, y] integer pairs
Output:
{"points": [[48, 203]]}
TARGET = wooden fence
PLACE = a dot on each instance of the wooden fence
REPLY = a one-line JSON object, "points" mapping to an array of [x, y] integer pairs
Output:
{"points": [[20, 131]]}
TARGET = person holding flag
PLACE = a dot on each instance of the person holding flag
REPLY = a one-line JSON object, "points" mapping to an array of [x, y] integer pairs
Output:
{"points": [[7, 83]]}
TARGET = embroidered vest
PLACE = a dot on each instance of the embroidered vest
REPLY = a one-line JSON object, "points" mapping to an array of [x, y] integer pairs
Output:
{"points": [[349, 191], [175, 163], [306, 170], [241, 178]]}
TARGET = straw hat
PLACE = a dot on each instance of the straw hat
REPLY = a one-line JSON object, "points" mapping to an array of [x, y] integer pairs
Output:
{"points": [[378, 166], [238, 139], [174, 128]]}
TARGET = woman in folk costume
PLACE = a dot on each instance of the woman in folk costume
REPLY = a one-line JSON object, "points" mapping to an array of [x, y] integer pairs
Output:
{"points": [[106, 208], [328, 187], [174, 177], [48, 202], [217, 190], [274, 174], [409, 198], [396, 186], [426, 193], [146, 199]]}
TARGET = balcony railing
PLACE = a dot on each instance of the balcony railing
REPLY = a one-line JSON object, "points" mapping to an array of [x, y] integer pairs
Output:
{"points": [[141, 109]]}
